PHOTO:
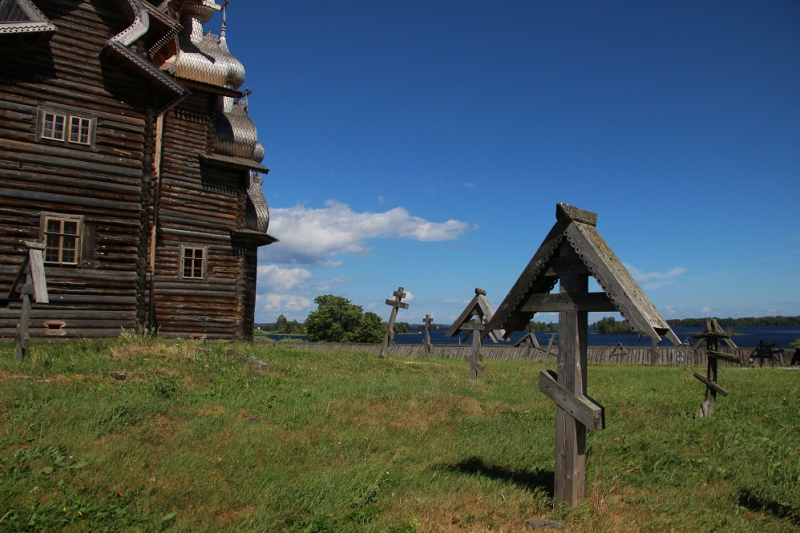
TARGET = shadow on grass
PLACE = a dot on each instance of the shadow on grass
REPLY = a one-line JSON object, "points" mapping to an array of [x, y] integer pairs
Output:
{"points": [[532, 480], [755, 503]]}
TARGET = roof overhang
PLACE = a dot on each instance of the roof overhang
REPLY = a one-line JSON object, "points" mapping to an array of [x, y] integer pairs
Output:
{"points": [[575, 232], [229, 161], [25, 17], [252, 237]]}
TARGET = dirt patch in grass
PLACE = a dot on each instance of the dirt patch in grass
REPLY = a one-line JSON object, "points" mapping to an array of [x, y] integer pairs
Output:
{"points": [[229, 517], [471, 513]]}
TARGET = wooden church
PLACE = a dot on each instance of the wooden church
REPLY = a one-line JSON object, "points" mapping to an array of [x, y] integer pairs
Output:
{"points": [[126, 148]]}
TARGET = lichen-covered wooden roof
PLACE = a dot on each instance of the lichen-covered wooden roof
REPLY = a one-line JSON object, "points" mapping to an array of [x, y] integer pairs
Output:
{"points": [[530, 294]]}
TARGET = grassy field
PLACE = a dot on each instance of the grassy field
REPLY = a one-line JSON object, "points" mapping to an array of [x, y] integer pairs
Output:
{"points": [[194, 439]]}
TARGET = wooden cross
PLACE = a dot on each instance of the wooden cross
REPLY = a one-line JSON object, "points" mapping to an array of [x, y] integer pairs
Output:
{"points": [[530, 341], [32, 268], [569, 254], [474, 358], [482, 311], [428, 320], [396, 304], [711, 335], [766, 350]]}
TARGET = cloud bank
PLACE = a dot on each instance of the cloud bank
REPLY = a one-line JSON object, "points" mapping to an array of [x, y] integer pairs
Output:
{"points": [[317, 239], [655, 280], [314, 236]]}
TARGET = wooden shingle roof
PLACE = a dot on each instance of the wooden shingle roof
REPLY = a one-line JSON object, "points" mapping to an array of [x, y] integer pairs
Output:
{"points": [[575, 228]]}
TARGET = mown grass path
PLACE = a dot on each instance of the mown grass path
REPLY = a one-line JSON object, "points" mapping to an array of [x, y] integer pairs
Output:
{"points": [[194, 439]]}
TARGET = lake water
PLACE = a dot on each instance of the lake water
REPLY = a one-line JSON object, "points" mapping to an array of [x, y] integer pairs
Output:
{"points": [[743, 337]]}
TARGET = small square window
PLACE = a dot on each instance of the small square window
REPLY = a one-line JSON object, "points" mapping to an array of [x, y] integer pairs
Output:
{"points": [[79, 129], [193, 262], [62, 235], [63, 125], [53, 127]]}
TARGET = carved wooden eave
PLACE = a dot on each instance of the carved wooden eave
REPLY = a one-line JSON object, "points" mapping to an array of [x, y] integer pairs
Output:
{"points": [[165, 27], [23, 16], [478, 307], [531, 293], [119, 47], [144, 68]]}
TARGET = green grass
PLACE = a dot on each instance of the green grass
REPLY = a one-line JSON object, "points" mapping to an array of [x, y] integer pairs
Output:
{"points": [[193, 440]]}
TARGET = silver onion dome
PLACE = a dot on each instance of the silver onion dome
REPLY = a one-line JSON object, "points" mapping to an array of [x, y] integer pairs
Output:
{"points": [[257, 212], [235, 132], [198, 55]]}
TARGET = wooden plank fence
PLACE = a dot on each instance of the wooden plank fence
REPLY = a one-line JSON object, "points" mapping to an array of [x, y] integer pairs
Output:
{"points": [[641, 355]]}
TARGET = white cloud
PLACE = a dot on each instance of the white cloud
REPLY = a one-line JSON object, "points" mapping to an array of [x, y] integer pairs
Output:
{"points": [[654, 280], [314, 236], [284, 303], [407, 298], [468, 184], [276, 278], [706, 310]]}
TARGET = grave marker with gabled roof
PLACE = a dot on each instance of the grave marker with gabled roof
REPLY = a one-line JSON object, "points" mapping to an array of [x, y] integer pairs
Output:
{"points": [[572, 251], [473, 318]]}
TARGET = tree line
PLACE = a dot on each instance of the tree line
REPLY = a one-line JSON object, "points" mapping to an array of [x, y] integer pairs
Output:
{"points": [[337, 319], [745, 322]]}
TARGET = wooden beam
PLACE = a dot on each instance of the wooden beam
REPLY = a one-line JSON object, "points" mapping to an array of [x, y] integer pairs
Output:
{"points": [[562, 266], [723, 356], [37, 272], [581, 408], [395, 303], [711, 384], [591, 302]]}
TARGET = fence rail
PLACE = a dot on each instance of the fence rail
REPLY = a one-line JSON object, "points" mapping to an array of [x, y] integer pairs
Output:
{"points": [[642, 355]]}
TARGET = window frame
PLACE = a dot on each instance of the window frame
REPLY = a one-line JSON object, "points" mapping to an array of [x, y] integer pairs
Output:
{"points": [[45, 233], [86, 124], [182, 262]]}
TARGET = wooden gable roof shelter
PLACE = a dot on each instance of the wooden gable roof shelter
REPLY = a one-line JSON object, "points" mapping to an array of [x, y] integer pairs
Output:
{"points": [[571, 252], [473, 319], [592, 256], [479, 307]]}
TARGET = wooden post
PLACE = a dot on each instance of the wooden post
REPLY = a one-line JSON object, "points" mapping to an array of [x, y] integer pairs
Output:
{"points": [[474, 357], [570, 464], [711, 335], [35, 286], [428, 320], [571, 252], [396, 304]]}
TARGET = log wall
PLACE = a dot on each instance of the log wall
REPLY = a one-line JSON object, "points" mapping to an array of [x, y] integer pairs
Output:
{"points": [[113, 185], [198, 205], [102, 182]]}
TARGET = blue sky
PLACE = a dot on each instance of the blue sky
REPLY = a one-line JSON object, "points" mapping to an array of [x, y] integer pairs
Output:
{"points": [[425, 144]]}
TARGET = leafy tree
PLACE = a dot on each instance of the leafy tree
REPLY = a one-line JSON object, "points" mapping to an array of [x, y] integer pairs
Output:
{"points": [[610, 326], [285, 326], [541, 326], [370, 330], [402, 327], [337, 319]]}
